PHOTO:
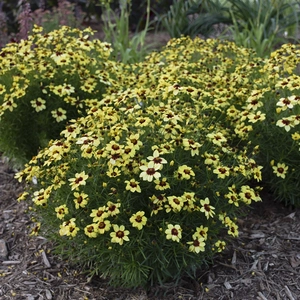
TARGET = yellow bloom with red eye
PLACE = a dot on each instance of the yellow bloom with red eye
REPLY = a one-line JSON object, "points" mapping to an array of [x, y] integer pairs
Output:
{"points": [[190, 144], [103, 226], [119, 235], [161, 184], [113, 208], [173, 232], [185, 172], [61, 211], [138, 220], [81, 200], [258, 116], [99, 214], [217, 138], [222, 171], [59, 114], [286, 123], [91, 230], [142, 121], [247, 195], [38, 104], [78, 180], [280, 170], [206, 208], [133, 186], [176, 203], [69, 228], [157, 159], [197, 245], [233, 229], [220, 245], [150, 171], [113, 172], [202, 231]]}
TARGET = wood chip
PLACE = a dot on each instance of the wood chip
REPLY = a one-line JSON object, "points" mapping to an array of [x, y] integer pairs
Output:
{"points": [[258, 235], [48, 294], [261, 296], [11, 262], [227, 285], [288, 292], [3, 249], [45, 260]]}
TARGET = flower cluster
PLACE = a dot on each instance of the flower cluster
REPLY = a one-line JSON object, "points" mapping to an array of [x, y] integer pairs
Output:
{"points": [[154, 169], [45, 81]]}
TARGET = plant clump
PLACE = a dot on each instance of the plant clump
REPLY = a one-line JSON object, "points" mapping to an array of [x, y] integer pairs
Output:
{"points": [[149, 184], [45, 81]]}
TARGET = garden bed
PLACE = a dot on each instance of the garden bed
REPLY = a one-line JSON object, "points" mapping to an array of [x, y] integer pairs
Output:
{"points": [[262, 263]]}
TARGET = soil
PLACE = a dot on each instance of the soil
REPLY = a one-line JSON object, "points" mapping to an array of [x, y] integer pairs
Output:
{"points": [[262, 263]]}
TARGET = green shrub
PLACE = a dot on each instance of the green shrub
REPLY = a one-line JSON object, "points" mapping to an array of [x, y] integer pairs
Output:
{"points": [[276, 98], [45, 81], [148, 186]]}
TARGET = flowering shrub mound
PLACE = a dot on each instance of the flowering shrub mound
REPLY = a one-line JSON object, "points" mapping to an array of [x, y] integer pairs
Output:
{"points": [[45, 81], [148, 186], [271, 113]]}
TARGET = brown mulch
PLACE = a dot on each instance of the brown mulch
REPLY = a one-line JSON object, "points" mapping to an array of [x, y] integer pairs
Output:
{"points": [[262, 263]]}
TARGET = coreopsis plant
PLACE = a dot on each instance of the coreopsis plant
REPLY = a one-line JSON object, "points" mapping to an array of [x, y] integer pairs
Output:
{"points": [[148, 186], [273, 112], [45, 81]]}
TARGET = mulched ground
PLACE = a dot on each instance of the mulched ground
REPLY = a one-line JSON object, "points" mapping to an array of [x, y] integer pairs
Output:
{"points": [[262, 263]]}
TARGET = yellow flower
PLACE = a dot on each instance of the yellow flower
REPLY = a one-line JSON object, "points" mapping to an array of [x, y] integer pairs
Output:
{"points": [[69, 228], [233, 229], [197, 244], [61, 211], [259, 116], [81, 200], [222, 171], [80, 179], [38, 104], [157, 159], [217, 138], [113, 172], [173, 232], [138, 220], [280, 170], [103, 226], [59, 114], [161, 184], [119, 235], [176, 203], [133, 186], [150, 171], [207, 208], [99, 214], [185, 172], [190, 144], [247, 195], [220, 245], [113, 208], [285, 123], [202, 232], [91, 230]]}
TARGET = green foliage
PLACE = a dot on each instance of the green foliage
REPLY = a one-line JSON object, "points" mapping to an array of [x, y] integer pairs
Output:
{"points": [[148, 186], [45, 81], [126, 48], [259, 25], [175, 21]]}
